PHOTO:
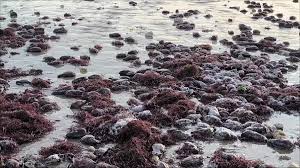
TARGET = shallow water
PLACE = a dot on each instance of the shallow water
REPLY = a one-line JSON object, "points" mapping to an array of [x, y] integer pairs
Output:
{"points": [[135, 22]]}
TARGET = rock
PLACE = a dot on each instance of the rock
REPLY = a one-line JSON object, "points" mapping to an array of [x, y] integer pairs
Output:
{"points": [[158, 149], [256, 32], [222, 133], [127, 73], [132, 3], [214, 38], [52, 159], [270, 38], [249, 135], [75, 48], [89, 140], [93, 50], [30, 164], [138, 108], [73, 93], [183, 123], [178, 135], [194, 117], [76, 133], [78, 104], [244, 27], [279, 126], [232, 125], [187, 149], [121, 56], [48, 107], [8, 146], [13, 14], [115, 35], [88, 154], [293, 165], [149, 35], [213, 120], [161, 164], [196, 35], [212, 110], [131, 58], [293, 59], [40, 83], [48, 59], [121, 123], [105, 165], [12, 163], [252, 48], [100, 152], [144, 114], [281, 144], [34, 49], [68, 74], [192, 161], [130, 40], [117, 43], [83, 163], [104, 91], [3, 82], [284, 157], [203, 133], [60, 30]]}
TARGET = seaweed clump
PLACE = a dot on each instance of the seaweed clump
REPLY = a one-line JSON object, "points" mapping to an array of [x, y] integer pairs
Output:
{"points": [[134, 147], [20, 119], [63, 147], [221, 159]]}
